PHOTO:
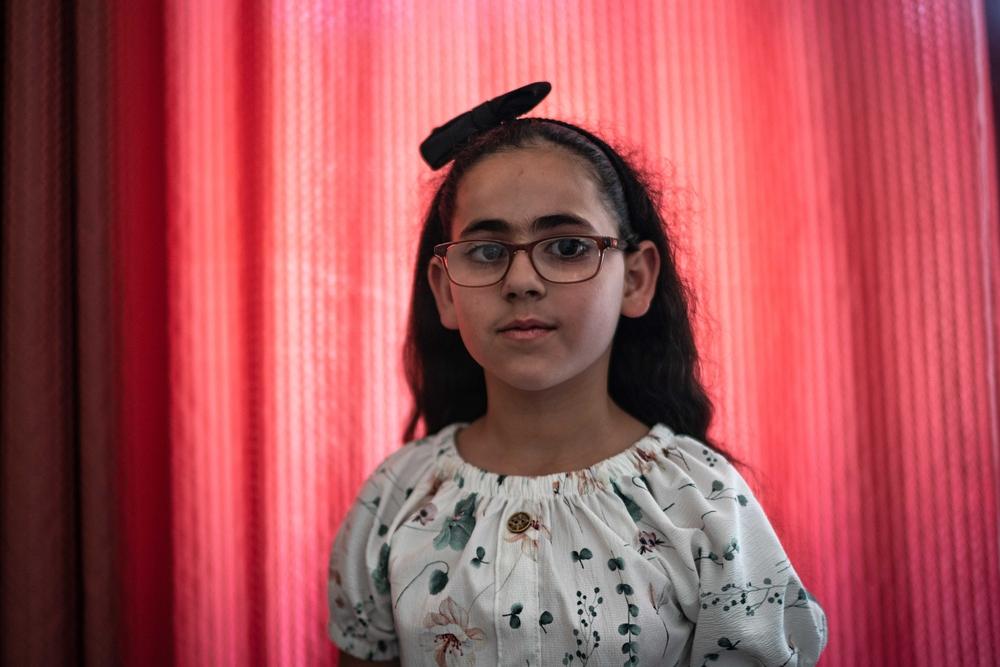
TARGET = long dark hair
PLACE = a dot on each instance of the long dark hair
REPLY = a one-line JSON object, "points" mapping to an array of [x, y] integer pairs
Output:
{"points": [[654, 366]]}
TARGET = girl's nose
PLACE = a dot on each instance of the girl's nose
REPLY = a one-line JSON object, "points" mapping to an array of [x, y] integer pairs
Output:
{"points": [[522, 278]]}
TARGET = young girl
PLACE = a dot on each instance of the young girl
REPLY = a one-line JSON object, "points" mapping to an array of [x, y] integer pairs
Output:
{"points": [[567, 506]]}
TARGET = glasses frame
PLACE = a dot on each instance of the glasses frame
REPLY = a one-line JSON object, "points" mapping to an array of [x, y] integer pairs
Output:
{"points": [[603, 243]]}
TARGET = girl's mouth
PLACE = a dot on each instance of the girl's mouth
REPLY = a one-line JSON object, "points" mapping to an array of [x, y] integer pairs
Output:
{"points": [[526, 334]]}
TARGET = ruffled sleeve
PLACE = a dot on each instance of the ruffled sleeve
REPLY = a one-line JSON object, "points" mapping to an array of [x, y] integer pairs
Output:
{"points": [[751, 607], [360, 619]]}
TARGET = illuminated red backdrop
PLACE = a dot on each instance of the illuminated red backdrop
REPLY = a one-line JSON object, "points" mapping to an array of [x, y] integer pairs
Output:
{"points": [[838, 165], [834, 165]]}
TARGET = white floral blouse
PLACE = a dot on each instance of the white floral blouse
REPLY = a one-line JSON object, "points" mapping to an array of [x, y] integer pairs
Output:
{"points": [[658, 555]]}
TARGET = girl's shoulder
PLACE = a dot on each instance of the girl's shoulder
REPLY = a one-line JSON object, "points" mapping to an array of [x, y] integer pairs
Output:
{"points": [[389, 491], [417, 453], [406, 467], [687, 462]]}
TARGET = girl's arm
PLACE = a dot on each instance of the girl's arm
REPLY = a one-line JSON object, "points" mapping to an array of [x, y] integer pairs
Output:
{"points": [[347, 660]]}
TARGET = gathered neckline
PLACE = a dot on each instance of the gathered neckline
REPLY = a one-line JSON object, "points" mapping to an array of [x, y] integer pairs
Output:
{"points": [[591, 479]]}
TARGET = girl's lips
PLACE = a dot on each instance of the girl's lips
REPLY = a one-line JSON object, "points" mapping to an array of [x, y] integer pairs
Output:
{"points": [[526, 334]]}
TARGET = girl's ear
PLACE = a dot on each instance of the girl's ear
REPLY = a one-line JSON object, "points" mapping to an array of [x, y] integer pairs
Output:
{"points": [[642, 268], [441, 287]]}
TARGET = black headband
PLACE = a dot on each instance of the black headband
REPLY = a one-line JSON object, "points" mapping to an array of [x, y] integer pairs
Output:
{"points": [[442, 144]]}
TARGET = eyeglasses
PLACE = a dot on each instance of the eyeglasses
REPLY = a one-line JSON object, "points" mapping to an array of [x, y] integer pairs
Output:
{"points": [[557, 259]]}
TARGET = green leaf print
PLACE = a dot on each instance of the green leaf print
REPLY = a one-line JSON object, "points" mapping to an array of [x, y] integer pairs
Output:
{"points": [[380, 575], [544, 620], [586, 616], [803, 599], [630, 505], [628, 629], [748, 598], [515, 620], [458, 528], [581, 555], [480, 555], [710, 457], [439, 580]]}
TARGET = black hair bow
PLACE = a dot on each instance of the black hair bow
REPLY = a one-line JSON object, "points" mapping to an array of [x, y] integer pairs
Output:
{"points": [[442, 144]]}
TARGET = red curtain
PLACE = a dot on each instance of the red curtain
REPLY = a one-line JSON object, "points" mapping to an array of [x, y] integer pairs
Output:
{"points": [[210, 215]]}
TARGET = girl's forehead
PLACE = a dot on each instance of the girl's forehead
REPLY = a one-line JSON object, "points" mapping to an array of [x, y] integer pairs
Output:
{"points": [[521, 185]]}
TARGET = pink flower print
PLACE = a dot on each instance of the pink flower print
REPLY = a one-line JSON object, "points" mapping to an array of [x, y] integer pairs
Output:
{"points": [[587, 482], [425, 514], [555, 486], [644, 460], [675, 452], [647, 540], [447, 634], [436, 483], [530, 538]]}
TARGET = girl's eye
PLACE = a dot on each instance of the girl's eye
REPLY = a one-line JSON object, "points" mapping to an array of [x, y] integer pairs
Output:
{"points": [[485, 252], [569, 247]]}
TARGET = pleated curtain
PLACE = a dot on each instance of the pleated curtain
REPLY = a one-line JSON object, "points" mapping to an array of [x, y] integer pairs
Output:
{"points": [[210, 214]]}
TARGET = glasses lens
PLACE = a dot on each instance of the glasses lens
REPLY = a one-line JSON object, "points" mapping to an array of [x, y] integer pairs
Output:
{"points": [[475, 263], [563, 259], [567, 259]]}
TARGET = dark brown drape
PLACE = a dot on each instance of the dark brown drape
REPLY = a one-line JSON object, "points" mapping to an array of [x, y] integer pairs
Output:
{"points": [[57, 469], [41, 544]]}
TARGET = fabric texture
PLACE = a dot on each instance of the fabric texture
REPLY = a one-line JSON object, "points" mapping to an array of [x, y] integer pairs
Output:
{"points": [[658, 555]]}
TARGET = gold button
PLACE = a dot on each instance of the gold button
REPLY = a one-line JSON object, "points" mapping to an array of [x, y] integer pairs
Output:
{"points": [[518, 522]]}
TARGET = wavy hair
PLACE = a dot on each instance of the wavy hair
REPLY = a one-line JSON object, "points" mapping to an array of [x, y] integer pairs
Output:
{"points": [[654, 366]]}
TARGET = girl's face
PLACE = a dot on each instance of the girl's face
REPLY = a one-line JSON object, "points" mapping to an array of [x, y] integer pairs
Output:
{"points": [[501, 198]]}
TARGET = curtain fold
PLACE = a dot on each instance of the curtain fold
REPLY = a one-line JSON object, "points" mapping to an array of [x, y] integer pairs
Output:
{"points": [[99, 619], [209, 216], [38, 472], [139, 254]]}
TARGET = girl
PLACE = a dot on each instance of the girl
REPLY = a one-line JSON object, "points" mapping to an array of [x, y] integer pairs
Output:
{"points": [[567, 506]]}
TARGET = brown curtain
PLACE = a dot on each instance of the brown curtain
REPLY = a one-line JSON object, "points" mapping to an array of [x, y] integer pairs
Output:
{"points": [[57, 467]]}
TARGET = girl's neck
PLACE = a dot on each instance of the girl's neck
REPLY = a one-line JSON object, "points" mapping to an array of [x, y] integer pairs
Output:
{"points": [[543, 434]]}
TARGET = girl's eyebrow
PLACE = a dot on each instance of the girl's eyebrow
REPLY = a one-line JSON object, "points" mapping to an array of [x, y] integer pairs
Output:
{"points": [[538, 225]]}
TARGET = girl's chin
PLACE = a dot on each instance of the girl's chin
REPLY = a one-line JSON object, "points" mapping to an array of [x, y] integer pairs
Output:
{"points": [[530, 382]]}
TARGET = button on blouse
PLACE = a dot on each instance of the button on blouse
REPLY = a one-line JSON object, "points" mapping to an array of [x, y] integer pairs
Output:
{"points": [[518, 522]]}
